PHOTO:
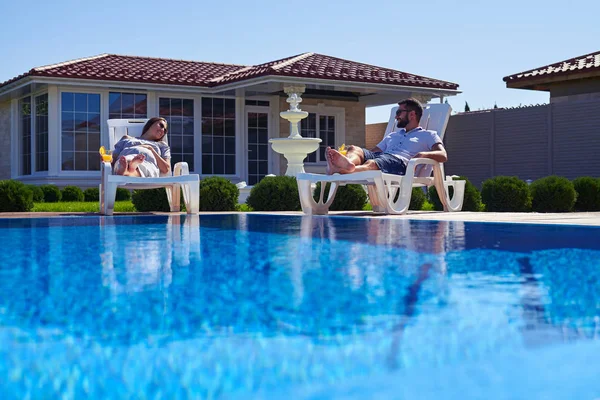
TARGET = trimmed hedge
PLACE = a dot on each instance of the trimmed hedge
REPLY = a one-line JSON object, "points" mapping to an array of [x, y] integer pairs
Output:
{"points": [[123, 194], [218, 194], [38, 194], [347, 198], [72, 193], [15, 196], [275, 193], [471, 201], [150, 200], [52, 193], [417, 199], [506, 193], [91, 194], [588, 193], [552, 194]]}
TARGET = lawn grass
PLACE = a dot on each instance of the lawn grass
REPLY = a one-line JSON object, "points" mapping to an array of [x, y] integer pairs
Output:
{"points": [[81, 206]]}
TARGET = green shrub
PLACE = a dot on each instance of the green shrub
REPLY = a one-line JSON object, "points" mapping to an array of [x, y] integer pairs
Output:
{"points": [[72, 193], [91, 194], [588, 194], [348, 197], [506, 193], [38, 194], [15, 196], [471, 201], [275, 193], [552, 194], [218, 194], [150, 200], [52, 193], [123, 194], [417, 198]]}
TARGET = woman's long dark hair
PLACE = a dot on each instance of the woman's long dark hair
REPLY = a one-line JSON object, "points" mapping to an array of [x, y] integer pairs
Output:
{"points": [[151, 122]]}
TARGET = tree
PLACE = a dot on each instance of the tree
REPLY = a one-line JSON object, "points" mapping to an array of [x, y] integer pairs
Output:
{"points": [[467, 108], [495, 105]]}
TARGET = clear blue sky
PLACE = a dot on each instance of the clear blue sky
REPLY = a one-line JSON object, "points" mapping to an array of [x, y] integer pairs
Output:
{"points": [[474, 43]]}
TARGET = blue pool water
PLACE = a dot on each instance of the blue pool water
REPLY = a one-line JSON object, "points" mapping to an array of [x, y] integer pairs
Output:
{"points": [[254, 306]]}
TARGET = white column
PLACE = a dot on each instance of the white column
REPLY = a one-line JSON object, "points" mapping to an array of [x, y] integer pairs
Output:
{"points": [[54, 131]]}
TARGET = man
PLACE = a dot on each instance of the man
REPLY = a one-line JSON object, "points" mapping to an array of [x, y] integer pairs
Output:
{"points": [[392, 154]]}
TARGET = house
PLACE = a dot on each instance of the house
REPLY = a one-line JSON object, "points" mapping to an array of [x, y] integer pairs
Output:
{"points": [[221, 116], [577, 78]]}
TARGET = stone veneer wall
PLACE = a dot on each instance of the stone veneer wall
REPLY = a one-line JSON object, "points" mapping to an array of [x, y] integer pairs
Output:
{"points": [[5, 140], [354, 127]]}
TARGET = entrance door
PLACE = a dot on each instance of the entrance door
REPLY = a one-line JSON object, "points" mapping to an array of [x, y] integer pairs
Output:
{"points": [[257, 132]]}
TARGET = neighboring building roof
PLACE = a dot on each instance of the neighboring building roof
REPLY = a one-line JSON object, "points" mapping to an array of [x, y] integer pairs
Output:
{"points": [[582, 64], [194, 73]]}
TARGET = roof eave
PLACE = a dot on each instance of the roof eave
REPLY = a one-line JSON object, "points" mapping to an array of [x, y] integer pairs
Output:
{"points": [[544, 80], [334, 82]]}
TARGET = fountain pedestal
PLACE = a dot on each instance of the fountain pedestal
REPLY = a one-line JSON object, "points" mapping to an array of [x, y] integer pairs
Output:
{"points": [[294, 148]]}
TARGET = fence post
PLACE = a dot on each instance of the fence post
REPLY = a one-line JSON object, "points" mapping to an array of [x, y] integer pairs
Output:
{"points": [[493, 144], [550, 141]]}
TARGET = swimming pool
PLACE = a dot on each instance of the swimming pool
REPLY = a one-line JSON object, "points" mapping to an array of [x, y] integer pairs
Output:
{"points": [[256, 306]]}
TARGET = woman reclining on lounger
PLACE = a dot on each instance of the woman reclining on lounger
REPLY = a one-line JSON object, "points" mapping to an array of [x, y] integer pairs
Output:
{"points": [[146, 156]]}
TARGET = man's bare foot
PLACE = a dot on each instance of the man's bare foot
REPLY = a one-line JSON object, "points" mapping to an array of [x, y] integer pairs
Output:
{"points": [[338, 163], [121, 166], [135, 161]]}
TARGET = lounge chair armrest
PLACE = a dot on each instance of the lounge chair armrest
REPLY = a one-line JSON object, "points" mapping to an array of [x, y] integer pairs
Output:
{"points": [[106, 168], [181, 168]]}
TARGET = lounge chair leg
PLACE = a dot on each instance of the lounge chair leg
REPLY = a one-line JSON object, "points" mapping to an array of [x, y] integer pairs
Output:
{"points": [[191, 196], [110, 193], [174, 197], [309, 205]]}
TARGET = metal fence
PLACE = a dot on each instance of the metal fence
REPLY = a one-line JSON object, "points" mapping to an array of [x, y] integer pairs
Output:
{"points": [[528, 142]]}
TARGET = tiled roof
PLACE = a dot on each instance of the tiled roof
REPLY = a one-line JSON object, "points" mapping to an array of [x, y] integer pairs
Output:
{"points": [[312, 65], [134, 69], [587, 63], [193, 73]]}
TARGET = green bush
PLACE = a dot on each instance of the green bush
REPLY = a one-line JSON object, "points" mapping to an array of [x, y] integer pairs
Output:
{"points": [[123, 194], [417, 198], [38, 194], [552, 194], [91, 194], [15, 196], [506, 193], [471, 201], [275, 193], [588, 194], [150, 200], [218, 194], [52, 193], [348, 197], [72, 193]]}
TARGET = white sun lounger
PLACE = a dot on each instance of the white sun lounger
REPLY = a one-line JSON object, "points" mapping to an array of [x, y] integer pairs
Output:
{"points": [[389, 193], [180, 180]]}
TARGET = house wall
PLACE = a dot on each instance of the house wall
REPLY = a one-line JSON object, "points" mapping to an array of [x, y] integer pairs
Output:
{"points": [[354, 126], [530, 143], [584, 89], [5, 140], [374, 134]]}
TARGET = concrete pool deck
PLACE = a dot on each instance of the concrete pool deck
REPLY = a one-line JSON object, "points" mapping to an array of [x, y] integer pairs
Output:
{"points": [[575, 218]]}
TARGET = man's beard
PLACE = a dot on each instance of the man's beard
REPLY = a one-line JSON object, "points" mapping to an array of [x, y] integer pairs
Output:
{"points": [[402, 123]]}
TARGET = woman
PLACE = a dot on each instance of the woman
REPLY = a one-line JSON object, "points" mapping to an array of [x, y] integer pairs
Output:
{"points": [[146, 156]]}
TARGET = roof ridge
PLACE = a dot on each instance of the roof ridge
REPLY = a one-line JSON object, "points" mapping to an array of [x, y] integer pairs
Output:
{"points": [[221, 77], [291, 60], [62, 64], [176, 59]]}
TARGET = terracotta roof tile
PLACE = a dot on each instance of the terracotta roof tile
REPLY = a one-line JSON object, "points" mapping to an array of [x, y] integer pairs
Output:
{"points": [[589, 62], [193, 73], [312, 65]]}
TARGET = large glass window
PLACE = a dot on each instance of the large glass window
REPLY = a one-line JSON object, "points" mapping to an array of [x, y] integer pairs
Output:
{"points": [[218, 136], [179, 114], [25, 128], [80, 133], [127, 105], [41, 133], [322, 126]]}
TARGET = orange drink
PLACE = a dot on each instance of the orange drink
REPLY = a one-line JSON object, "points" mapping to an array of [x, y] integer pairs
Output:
{"points": [[342, 149], [106, 155]]}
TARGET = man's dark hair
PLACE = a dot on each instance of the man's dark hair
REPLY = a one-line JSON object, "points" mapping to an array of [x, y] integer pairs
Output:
{"points": [[413, 105]]}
